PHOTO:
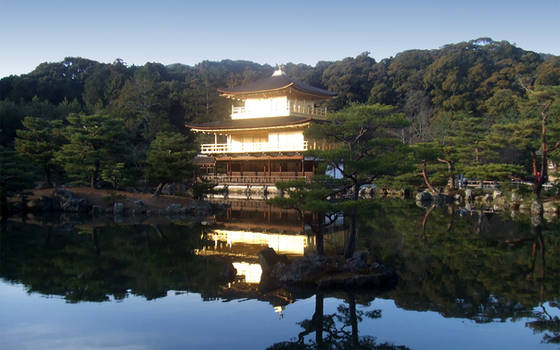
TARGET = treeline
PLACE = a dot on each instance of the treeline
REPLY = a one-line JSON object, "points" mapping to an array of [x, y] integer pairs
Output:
{"points": [[466, 87]]}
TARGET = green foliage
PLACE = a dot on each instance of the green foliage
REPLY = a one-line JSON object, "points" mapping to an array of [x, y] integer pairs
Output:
{"points": [[96, 143], [16, 176], [203, 187], [364, 143], [169, 158], [39, 142], [494, 171]]}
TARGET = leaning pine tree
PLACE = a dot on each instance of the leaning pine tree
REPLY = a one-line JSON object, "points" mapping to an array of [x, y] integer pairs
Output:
{"points": [[360, 142]]}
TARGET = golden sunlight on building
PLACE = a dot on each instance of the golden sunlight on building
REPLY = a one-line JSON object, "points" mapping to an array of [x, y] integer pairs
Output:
{"points": [[281, 243], [251, 272]]}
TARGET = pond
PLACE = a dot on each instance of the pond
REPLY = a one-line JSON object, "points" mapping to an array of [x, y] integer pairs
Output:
{"points": [[467, 279]]}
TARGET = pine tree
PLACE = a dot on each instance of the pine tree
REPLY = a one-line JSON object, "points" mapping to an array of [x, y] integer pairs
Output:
{"points": [[169, 159], [95, 142], [16, 175], [363, 146], [39, 141]]}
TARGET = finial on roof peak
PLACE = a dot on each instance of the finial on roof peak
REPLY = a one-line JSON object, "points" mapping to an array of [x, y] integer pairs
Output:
{"points": [[278, 71]]}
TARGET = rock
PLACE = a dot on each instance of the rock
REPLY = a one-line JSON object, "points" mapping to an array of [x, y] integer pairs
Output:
{"points": [[424, 196], [358, 261], [301, 271], [496, 194], [140, 208], [176, 209], [76, 205], [268, 258], [515, 197], [199, 207], [487, 198], [118, 208], [69, 203], [175, 189], [97, 210]]}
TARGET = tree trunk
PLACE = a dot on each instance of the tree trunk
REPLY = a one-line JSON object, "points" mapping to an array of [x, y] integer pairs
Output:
{"points": [[426, 180], [353, 321], [351, 244], [318, 319], [451, 180], [4, 206], [48, 176], [320, 241], [95, 175]]}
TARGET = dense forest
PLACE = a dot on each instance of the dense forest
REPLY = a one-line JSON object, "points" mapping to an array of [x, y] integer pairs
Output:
{"points": [[111, 124]]}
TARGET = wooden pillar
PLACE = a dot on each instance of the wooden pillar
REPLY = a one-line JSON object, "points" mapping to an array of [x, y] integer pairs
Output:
{"points": [[269, 168], [302, 166], [313, 170]]}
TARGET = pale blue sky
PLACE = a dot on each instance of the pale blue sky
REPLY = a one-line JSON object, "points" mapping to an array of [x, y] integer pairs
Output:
{"points": [[277, 32]]}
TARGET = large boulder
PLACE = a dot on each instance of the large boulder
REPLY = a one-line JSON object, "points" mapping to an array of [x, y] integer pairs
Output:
{"points": [[67, 202], [268, 259], [175, 189]]}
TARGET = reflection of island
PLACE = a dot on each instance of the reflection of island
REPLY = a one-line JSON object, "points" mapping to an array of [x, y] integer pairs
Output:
{"points": [[243, 231]]}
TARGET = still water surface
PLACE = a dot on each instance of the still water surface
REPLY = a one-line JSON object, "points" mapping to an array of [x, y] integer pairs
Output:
{"points": [[466, 280]]}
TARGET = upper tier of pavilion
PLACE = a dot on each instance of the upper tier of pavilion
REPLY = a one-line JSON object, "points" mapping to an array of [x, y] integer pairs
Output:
{"points": [[276, 96]]}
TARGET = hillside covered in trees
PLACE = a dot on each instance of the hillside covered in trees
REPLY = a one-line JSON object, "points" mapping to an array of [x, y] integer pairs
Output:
{"points": [[463, 94]]}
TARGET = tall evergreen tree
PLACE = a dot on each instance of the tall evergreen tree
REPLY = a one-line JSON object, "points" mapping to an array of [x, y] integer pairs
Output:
{"points": [[95, 142], [16, 175], [39, 141], [169, 159]]}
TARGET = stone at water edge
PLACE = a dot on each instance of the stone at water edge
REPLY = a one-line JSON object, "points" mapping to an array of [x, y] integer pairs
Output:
{"points": [[118, 208]]}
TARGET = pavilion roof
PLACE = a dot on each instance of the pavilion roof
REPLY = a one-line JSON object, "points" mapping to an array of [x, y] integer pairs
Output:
{"points": [[253, 123], [278, 81]]}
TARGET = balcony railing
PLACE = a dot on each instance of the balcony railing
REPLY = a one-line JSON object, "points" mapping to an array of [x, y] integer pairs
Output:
{"points": [[290, 108], [210, 148], [222, 179]]}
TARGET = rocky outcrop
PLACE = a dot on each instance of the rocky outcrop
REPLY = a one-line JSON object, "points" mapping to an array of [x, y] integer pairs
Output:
{"points": [[175, 189], [322, 272], [67, 202]]}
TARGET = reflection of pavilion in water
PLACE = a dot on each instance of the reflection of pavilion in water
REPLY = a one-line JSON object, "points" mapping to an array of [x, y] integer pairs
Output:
{"points": [[248, 227]]}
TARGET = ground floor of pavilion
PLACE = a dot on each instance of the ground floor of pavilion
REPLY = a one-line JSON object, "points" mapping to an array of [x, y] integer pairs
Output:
{"points": [[260, 170]]}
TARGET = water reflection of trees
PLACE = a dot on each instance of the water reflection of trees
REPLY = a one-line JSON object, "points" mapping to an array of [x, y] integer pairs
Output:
{"points": [[480, 266], [99, 263], [338, 330]]}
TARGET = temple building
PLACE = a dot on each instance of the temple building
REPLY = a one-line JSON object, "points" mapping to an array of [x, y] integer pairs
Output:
{"points": [[264, 141]]}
